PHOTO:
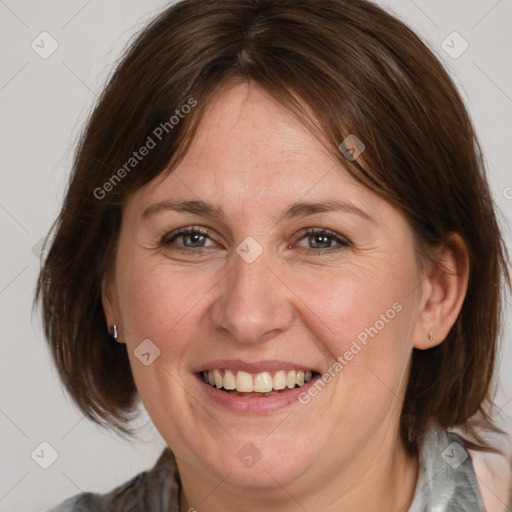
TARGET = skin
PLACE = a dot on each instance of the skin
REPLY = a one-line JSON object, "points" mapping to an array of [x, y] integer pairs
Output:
{"points": [[342, 451]]}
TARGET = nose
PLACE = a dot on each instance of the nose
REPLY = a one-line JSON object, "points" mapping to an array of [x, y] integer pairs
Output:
{"points": [[253, 304]]}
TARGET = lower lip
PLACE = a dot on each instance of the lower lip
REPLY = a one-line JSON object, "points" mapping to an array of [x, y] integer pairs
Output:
{"points": [[254, 405]]}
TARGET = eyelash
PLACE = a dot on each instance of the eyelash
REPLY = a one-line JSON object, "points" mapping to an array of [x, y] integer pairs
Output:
{"points": [[342, 242]]}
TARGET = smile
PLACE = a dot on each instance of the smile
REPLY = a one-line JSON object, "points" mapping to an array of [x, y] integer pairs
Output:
{"points": [[242, 383]]}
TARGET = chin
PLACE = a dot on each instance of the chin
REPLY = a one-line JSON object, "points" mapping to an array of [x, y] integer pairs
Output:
{"points": [[258, 463]]}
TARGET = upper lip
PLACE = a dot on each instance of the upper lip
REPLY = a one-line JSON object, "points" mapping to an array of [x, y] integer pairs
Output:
{"points": [[254, 367]]}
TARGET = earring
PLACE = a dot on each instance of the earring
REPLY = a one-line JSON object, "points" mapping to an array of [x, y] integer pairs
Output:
{"points": [[430, 336], [113, 331]]}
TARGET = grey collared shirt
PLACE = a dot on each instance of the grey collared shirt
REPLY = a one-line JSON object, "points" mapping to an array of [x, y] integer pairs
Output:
{"points": [[446, 483]]}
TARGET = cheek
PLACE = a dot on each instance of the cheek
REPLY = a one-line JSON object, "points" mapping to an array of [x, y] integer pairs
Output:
{"points": [[354, 304], [364, 322], [163, 305], [160, 303]]}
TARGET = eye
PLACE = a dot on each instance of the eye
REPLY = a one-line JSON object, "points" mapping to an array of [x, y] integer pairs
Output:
{"points": [[323, 241], [191, 238], [195, 240]]}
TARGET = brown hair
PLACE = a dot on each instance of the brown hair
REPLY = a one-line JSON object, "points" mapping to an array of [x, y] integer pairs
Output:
{"points": [[360, 71]]}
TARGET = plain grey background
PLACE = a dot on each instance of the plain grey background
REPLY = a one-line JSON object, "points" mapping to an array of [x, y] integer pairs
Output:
{"points": [[44, 100]]}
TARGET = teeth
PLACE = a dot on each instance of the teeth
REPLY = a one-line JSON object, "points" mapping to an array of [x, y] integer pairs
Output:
{"points": [[244, 382], [218, 378], [229, 380], [263, 382], [279, 380], [291, 379]]}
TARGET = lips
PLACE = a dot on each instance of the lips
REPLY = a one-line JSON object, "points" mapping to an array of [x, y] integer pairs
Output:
{"points": [[253, 403], [255, 380]]}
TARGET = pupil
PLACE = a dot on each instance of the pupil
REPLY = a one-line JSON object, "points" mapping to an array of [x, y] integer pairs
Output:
{"points": [[195, 237], [321, 240]]}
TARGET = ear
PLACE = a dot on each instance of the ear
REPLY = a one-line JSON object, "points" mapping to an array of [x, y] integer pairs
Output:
{"points": [[110, 304], [442, 292]]}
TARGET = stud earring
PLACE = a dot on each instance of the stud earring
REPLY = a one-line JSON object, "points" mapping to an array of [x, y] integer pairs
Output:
{"points": [[430, 336], [113, 331]]}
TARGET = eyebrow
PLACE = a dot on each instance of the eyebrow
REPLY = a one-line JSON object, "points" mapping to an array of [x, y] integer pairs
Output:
{"points": [[297, 210]]}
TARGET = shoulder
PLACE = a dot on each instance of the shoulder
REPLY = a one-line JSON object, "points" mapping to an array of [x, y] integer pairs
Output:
{"points": [[156, 490], [127, 493], [446, 480], [80, 502], [494, 473]]}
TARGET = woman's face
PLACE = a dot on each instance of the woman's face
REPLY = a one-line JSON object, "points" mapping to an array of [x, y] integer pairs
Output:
{"points": [[275, 282]]}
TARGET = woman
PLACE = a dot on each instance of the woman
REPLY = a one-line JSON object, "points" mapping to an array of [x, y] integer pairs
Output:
{"points": [[279, 212]]}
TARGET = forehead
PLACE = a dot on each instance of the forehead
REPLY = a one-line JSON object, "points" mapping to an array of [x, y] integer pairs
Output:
{"points": [[250, 145], [253, 165]]}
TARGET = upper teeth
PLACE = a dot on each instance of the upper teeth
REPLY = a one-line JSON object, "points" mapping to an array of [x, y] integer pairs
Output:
{"points": [[260, 383]]}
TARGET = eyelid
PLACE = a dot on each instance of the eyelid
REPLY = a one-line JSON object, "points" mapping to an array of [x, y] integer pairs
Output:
{"points": [[333, 234], [341, 243], [185, 230], [169, 238]]}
